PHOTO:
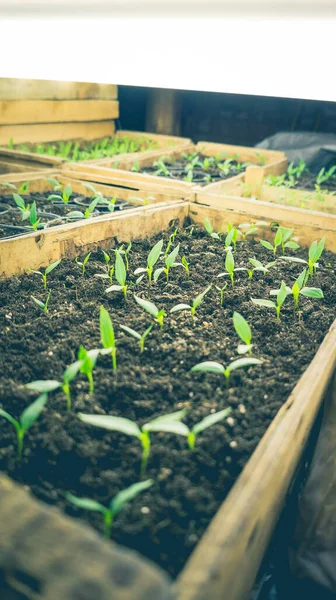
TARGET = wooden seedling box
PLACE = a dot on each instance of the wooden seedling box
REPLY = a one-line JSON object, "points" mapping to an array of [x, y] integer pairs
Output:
{"points": [[226, 560]]}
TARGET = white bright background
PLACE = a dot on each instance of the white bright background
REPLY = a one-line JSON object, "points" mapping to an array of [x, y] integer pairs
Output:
{"points": [[284, 57]]}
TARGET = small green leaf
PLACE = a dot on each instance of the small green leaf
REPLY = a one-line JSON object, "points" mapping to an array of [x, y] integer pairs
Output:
{"points": [[106, 329], [229, 262], [110, 423], [171, 258], [125, 496], [147, 306], [32, 412], [86, 503], [200, 296], [292, 245], [165, 420], [43, 386], [243, 362], [86, 258], [312, 292], [120, 270], [282, 294], [9, 418], [211, 420], [52, 267], [208, 366], [154, 254], [157, 273], [255, 263], [242, 328], [266, 244], [19, 201], [132, 332], [261, 302], [71, 371], [179, 307]]}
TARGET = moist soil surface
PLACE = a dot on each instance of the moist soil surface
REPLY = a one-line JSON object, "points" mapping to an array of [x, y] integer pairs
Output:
{"points": [[201, 176], [63, 454], [50, 212], [307, 181]]}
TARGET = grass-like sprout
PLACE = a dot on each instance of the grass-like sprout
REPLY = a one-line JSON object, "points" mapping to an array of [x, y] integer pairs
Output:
{"points": [[210, 229], [314, 254], [88, 359], [221, 291], [109, 268], [258, 266], [169, 263], [209, 421], [78, 214], [50, 385], [210, 366], [64, 195], [169, 423], [121, 276], [125, 252], [186, 265], [22, 206], [140, 337], [152, 310], [107, 336], [230, 267], [171, 241], [244, 332], [195, 303], [276, 242], [152, 259], [42, 305], [298, 289], [282, 238], [26, 420], [280, 298], [34, 221], [46, 272], [231, 237], [84, 263], [115, 506]]}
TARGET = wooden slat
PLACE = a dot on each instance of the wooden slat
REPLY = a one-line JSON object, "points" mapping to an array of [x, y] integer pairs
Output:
{"points": [[164, 141], [146, 158], [32, 159], [243, 153], [55, 131], [36, 89], [299, 198], [8, 167], [15, 112]]}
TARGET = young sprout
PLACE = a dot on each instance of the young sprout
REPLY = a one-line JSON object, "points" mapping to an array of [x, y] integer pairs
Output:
{"points": [[87, 213], [231, 237], [221, 291], [258, 266], [314, 253], [276, 243], [286, 241], [169, 263], [185, 264], [281, 297], [20, 203], [210, 366], [125, 253], [107, 336], [209, 421], [49, 385], [88, 359], [230, 267], [84, 263], [136, 335], [297, 289], [115, 506], [46, 272], [195, 304], [171, 240], [56, 184], [161, 168], [250, 228], [110, 268], [169, 423], [244, 332], [210, 230], [26, 420], [151, 309], [40, 304], [152, 259], [34, 221], [121, 276], [64, 195]]}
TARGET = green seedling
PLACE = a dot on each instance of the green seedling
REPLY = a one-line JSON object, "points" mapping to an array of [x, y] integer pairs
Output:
{"points": [[258, 266], [109, 268], [161, 168], [121, 276], [88, 359], [210, 366], [42, 305], [26, 420], [115, 506], [50, 385], [107, 336], [276, 243], [323, 175], [22, 206], [244, 332], [64, 195], [246, 229], [209, 421], [78, 214], [185, 265], [231, 237], [230, 267], [138, 336], [144, 201], [169, 263], [46, 272], [171, 241], [34, 221], [280, 298], [152, 310], [56, 184], [84, 263], [195, 304], [169, 423], [287, 241], [314, 254], [152, 259], [221, 291], [299, 288], [125, 253], [210, 230]]}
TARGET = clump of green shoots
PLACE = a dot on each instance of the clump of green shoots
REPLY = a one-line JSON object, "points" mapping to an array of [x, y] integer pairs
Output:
{"points": [[84, 263], [280, 298], [210, 366], [246, 229], [50, 385], [115, 506], [47, 270], [258, 266], [299, 288], [63, 195], [151, 309], [140, 337], [26, 420], [210, 229], [314, 254], [230, 267], [152, 259], [221, 291], [282, 238], [169, 423], [209, 421], [169, 263], [78, 214], [244, 332], [107, 336], [88, 359], [121, 276], [161, 168], [42, 305], [195, 304]]}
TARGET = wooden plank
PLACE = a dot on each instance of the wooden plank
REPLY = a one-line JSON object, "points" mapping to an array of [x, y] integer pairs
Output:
{"points": [[254, 176], [32, 159], [309, 200], [13, 112], [36, 89], [146, 158], [43, 247], [226, 561], [162, 140], [8, 167], [241, 153], [55, 131]]}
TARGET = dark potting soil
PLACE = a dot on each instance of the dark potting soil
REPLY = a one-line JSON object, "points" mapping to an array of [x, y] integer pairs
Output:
{"points": [[63, 454], [50, 212], [201, 176], [307, 181]]}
